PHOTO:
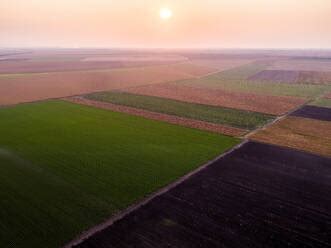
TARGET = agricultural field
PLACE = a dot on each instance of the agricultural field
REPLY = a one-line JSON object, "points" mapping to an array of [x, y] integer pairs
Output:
{"points": [[172, 119], [18, 88], [217, 115], [303, 64], [284, 76], [322, 102], [88, 135], [258, 196], [66, 167], [244, 101], [313, 112], [307, 91], [305, 134]]}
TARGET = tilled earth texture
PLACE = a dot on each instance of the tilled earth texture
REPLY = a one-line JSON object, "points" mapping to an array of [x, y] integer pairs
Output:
{"points": [[259, 196]]}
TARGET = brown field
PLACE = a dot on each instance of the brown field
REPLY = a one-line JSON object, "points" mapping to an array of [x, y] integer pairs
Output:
{"points": [[328, 95], [48, 62], [300, 133], [276, 105], [37, 66], [161, 117], [32, 87], [302, 65]]}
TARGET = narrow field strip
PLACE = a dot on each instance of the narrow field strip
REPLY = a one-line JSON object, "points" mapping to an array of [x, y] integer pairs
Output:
{"points": [[313, 112], [261, 88], [216, 128], [292, 77], [66, 167], [300, 133], [322, 102], [218, 115], [275, 105]]}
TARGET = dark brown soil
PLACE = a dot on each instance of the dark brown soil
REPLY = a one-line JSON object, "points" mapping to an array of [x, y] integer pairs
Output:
{"points": [[314, 112], [258, 196]]}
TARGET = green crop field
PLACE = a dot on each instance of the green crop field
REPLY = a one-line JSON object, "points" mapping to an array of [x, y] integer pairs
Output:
{"points": [[219, 115], [66, 167], [274, 89], [322, 102], [241, 72]]}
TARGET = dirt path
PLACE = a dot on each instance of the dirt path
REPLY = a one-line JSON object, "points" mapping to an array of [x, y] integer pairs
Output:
{"points": [[231, 131]]}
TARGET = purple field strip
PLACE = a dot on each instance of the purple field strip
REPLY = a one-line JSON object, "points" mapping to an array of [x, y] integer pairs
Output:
{"points": [[287, 76], [314, 112], [276, 76], [257, 196]]}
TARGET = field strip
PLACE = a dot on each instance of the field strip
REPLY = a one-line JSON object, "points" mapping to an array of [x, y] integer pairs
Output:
{"points": [[227, 130], [121, 215], [279, 118]]}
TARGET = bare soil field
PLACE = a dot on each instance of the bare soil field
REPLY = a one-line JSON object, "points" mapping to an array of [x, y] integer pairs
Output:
{"points": [[216, 128], [52, 62], [257, 196], [302, 65], [245, 101], [37, 66], [32, 87], [300, 133], [314, 112], [284, 76]]}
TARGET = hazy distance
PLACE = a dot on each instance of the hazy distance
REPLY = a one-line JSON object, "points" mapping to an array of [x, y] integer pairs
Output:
{"points": [[191, 23]]}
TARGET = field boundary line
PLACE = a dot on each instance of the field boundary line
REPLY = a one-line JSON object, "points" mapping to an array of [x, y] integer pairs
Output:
{"points": [[122, 214]]}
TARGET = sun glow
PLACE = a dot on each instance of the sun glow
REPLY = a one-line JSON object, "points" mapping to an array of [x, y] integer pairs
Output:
{"points": [[165, 13]]}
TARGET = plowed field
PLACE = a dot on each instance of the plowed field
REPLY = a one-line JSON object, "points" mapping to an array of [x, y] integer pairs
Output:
{"points": [[300, 133]]}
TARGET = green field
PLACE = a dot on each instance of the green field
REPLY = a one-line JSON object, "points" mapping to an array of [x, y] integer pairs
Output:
{"points": [[218, 115], [241, 72], [322, 102], [274, 89], [65, 167]]}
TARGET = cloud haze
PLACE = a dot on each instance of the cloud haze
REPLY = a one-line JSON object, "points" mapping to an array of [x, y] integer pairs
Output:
{"points": [[195, 23]]}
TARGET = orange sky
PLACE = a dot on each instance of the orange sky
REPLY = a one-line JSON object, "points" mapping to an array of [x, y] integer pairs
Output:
{"points": [[195, 23]]}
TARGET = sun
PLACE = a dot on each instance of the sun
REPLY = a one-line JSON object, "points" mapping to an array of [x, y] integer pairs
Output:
{"points": [[165, 13]]}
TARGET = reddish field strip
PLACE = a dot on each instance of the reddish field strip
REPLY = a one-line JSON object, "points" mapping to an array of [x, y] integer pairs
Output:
{"points": [[300, 133], [26, 66], [161, 117], [32, 87], [328, 95], [276, 105]]}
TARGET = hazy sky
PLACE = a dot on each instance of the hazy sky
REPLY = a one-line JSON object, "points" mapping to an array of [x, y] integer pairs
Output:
{"points": [[195, 23]]}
